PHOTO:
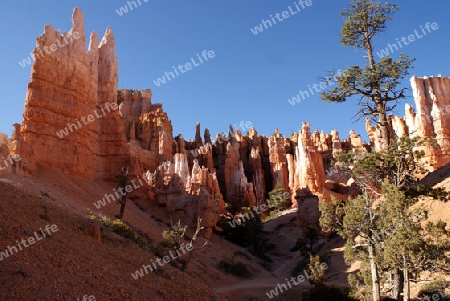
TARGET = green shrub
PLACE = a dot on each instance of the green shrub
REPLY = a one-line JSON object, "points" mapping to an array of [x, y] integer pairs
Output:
{"points": [[160, 249], [306, 242], [276, 198], [315, 270], [250, 235], [434, 287], [272, 215], [123, 230], [120, 228], [236, 269], [243, 254], [175, 235]]}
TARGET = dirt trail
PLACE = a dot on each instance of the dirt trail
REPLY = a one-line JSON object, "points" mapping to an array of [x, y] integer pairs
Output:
{"points": [[283, 233], [248, 284]]}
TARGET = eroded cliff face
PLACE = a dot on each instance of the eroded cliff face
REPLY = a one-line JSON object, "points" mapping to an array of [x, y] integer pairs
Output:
{"points": [[6, 160], [430, 119], [249, 167], [229, 168], [71, 120], [297, 163], [432, 98], [76, 121], [180, 174], [309, 168], [147, 129]]}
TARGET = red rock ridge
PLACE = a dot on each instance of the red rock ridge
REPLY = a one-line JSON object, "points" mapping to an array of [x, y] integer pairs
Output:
{"points": [[73, 90]]}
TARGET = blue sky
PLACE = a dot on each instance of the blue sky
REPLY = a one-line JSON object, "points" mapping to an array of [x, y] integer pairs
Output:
{"points": [[250, 78]]}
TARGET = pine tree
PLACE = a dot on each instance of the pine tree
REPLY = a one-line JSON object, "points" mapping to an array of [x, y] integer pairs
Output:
{"points": [[409, 246], [316, 270], [380, 226], [376, 83]]}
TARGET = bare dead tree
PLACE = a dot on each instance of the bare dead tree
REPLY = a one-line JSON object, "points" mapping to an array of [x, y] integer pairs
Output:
{"points": [[122, 180]]}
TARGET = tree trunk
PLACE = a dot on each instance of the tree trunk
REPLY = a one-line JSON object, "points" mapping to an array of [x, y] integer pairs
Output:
{"points": [[405, 280], [396, 283], [384, 128], [374, 273], [186, 261], [122, 206], [382, 118]]}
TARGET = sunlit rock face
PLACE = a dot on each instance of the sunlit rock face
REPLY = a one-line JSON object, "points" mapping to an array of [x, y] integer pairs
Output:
{"points": [[429, 119], [71, 120], [432, 98], [76, 121], [147, 129], [309, 166]]}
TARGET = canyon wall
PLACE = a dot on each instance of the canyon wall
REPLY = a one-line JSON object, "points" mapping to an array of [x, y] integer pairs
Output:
{"points": [[75, 120], [71, 121]]}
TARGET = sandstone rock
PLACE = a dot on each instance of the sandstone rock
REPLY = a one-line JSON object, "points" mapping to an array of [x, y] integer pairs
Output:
{"points": [[6, 160], [309, 166], [231, 166], [188, 196], [236, 183], [325, 143], [69, 121], [257, 173], [308, 210], [93, 228], [374, 134], [278, 163], [432, 98], [336, 143], [356, 141], [410, 119], [202, 152], [370, 131], [399, 126], [198, 138], [147, 128], [188, 177], [111, 135]]}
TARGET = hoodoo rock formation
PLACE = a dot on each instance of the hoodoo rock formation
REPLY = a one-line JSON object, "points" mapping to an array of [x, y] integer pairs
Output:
{"points": [[71, 121], [432, 96], [147, 129], [6, 161], [76, 121], [430, 119], [309, 168], [277, 157]]}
